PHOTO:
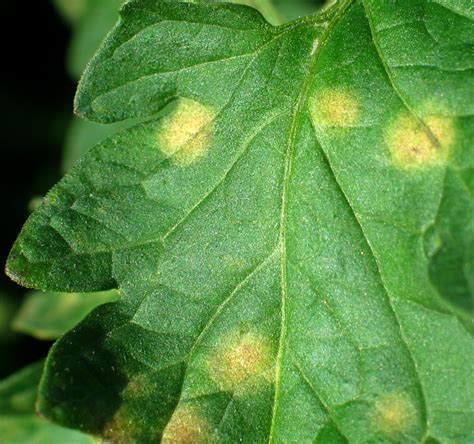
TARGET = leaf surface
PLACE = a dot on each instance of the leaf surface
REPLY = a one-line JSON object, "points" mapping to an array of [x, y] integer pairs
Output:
{"points": [[293, 241]]}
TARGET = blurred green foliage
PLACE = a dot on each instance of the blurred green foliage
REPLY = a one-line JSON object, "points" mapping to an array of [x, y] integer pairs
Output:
{"points": [[18, 421], [50, 315]]}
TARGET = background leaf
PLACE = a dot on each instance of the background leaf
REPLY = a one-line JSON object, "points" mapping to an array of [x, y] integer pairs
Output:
{"points": [[18, 422], [71, 10], [92, 19], [50, 315]]}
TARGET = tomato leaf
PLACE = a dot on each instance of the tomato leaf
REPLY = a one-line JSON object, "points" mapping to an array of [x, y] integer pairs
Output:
{"points": [[293, 241]]}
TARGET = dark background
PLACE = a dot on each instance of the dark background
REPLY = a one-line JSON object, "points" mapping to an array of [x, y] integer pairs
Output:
{"points": [[36, 95]]}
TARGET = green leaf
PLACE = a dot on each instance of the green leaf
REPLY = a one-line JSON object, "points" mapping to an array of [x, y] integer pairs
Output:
{"points": [[292, 242], [50, 315], [18, 422], [266, 8]]}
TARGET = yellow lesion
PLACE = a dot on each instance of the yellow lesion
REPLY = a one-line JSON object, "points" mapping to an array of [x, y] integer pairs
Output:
{"points": [[234, 262], [419, 143], [186, 134], [186, 426], [334, 107], [121, 428], [138, 385], [241, 361], [393, 414], [125, 424]]}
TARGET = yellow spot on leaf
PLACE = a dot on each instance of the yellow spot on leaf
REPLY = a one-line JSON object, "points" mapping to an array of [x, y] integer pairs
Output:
{"points": [[127, 423], [137, 386], [393, 414], [241, 360], [416, 145], [122, 427], [186, 427], [334, 107], [185, 134], [235, 263]]}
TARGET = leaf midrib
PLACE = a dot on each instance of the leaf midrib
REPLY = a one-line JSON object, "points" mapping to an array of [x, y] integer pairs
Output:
{"points": [[289, 157]]}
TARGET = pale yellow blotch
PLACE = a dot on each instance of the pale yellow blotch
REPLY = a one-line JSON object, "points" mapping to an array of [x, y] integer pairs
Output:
{"points": [[186, 427], [393, 414], [138, 385], [241, 361], [123, 424], [234, 262], [120, 428], [418, 144], [186, 134], [335, 107]]}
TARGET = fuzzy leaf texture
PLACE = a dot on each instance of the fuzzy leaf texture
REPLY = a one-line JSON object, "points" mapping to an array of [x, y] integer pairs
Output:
{"points": [[292, 242]]}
